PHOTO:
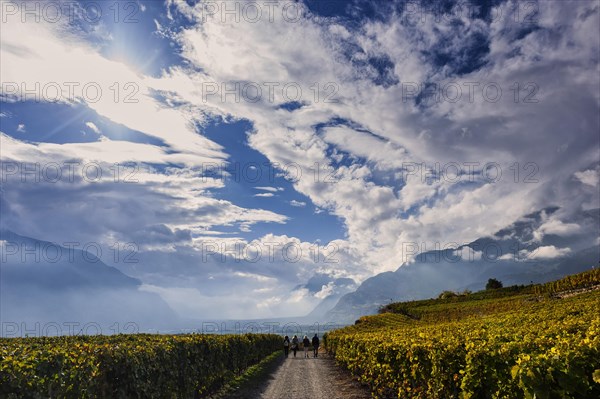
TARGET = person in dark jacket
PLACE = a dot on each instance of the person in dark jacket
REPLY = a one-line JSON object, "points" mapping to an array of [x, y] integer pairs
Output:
{"points": [[315, 344], [286, 346], [306, 344], [295, 344]]}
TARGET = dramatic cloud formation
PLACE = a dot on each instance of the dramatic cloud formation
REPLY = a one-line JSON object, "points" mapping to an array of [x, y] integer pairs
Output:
{"points": [[408, 125]]}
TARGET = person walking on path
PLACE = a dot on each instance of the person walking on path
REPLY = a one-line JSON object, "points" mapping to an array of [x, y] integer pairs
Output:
{"points": [[286, 346], [306, 344], [295, 344], [315, 344]]}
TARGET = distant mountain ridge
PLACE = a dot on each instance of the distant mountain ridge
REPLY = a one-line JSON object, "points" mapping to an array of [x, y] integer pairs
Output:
{"points": [[515, 255], [44, 283]]}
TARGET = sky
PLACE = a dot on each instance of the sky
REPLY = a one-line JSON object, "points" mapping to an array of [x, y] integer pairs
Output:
{"points": [[227, 152]]}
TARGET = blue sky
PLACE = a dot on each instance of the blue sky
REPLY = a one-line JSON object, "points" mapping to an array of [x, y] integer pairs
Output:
{"points": [[338, 115]]}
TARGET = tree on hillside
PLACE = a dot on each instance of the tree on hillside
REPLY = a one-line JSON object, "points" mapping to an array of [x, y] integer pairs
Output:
{"points": [[493, 284]]}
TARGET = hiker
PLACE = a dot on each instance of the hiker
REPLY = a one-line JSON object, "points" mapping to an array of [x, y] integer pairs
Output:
{"points": [[306, 344], [295, 344], [315, 344], [286, 346]]}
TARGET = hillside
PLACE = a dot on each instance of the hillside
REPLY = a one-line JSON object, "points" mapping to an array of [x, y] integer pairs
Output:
{"points": [[521, 342], [513, 254], [48, 289]]}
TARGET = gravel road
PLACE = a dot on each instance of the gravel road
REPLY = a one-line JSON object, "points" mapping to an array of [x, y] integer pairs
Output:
{"points": [[320, 378]]}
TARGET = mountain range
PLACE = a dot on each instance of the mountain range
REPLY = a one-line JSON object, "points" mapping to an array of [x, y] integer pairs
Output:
{"points": [[47, 288], [537, 248]]}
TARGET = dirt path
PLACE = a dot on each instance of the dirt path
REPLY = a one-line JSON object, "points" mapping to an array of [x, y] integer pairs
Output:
{"points": [[320, 378]]}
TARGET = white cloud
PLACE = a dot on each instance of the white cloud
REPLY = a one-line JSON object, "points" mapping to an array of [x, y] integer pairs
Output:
{"points": [[555, 226], [51, 55], [265, 195], [256, 277], [326, 290], [371, 208], [467, 254], [548, 252], [270, 189], [590, 177], [299, 204], [510, 256], [248, 302], [93, 127], [175, 197], [54, 53], [21, 128]]}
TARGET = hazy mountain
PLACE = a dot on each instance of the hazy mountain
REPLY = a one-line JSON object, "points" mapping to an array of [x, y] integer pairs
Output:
{"points": [[45, 285], [537, 248], [330, 288]]}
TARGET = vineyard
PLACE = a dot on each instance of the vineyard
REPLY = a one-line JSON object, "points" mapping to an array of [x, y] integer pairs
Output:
{"points": [[516, 342], [127, 366]]}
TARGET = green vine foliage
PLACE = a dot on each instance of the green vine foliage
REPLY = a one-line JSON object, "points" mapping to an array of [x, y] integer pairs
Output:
{"points": [[523, 346], [127, 366]]}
